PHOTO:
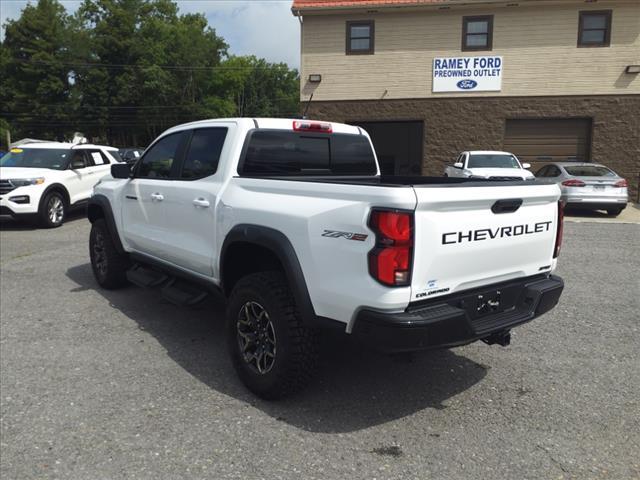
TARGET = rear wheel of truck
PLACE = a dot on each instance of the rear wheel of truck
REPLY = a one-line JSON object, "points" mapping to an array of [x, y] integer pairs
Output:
{"points": [[614, 211], [109, 266], [272, 352]]}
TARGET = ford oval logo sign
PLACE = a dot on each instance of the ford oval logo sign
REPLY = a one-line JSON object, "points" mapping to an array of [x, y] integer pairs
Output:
{"points": [[467, 84]]}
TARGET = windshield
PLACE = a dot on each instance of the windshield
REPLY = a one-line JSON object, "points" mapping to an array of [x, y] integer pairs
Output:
{"points": [[54, 158], [589, 171], [492, 161]]}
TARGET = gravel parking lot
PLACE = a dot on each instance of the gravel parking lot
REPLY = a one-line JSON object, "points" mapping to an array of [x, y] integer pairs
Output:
{"points": [[121, 385]]}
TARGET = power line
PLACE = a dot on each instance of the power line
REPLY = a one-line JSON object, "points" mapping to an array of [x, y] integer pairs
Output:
{"points": [[135, 65]]}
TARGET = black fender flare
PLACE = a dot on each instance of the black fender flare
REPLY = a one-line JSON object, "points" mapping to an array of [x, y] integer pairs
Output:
{"points": [[101, 203], [279, 244]]}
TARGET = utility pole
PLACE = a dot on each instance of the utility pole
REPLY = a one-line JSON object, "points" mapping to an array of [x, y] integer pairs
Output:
{"points": [[8, 139]]}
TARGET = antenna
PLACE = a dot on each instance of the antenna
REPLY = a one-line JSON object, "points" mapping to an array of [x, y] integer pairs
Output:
{"points": [[306, 109]]}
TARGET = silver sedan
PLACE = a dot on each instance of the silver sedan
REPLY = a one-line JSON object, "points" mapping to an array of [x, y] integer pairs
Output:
{"points": [[588, 186]]}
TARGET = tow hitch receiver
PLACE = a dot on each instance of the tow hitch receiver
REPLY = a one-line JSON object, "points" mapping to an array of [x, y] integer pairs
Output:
{"points": [[501, 338]]}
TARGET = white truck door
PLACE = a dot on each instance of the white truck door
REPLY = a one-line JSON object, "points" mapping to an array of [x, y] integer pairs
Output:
{"points": [[191, 201], [144, 204]]}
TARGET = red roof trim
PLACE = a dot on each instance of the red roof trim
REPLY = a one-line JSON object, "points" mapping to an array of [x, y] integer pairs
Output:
{"points": [[302, 4]]}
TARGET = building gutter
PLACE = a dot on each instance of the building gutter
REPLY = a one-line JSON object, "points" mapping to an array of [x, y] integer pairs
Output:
{"points": [[417, 5]]}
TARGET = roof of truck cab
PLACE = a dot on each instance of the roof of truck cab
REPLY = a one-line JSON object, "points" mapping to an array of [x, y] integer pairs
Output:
{"points": [[266, 123]]}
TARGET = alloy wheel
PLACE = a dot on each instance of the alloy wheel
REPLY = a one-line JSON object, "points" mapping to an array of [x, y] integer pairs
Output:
{"points": [[256, 337], [55, 210], [99, 254]]}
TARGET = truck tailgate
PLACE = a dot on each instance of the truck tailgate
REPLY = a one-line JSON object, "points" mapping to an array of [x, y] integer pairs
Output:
{"points": [[470, 236]]}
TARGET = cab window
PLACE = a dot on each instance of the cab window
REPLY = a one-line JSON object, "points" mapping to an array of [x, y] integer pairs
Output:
{"points": [[203, 153], [159, 160]]}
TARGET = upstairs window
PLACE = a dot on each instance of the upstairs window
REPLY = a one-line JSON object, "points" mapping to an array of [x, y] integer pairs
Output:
{"points": [[477, 33], [594, 29], [360, 38]]}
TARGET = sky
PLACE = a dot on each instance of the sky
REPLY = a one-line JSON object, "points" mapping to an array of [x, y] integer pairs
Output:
{"points": [[265, 28]]}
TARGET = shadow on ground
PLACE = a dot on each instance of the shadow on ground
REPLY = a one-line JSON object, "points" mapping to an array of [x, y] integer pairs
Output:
{"points": [[354, 388], [8, 223]]}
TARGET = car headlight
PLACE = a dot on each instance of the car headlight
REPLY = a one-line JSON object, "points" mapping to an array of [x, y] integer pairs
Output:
{"points": [[23, 182]]}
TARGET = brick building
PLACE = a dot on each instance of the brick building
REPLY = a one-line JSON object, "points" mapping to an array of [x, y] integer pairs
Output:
{"points": [[545, 79]]}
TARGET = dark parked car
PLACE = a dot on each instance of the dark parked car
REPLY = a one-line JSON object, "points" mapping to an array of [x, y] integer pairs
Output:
{"points": [[131, 154]]}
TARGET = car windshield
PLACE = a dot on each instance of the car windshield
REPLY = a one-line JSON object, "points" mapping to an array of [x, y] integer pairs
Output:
{"points": [[54, 158], [487, 160], [589, 171]]}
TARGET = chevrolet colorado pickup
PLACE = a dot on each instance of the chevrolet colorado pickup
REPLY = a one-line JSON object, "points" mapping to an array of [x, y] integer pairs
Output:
{"points": [[292, 224]]}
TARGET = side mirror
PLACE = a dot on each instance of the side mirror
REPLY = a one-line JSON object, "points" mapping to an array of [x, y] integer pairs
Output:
{"points": [[526, 165], [458, 165], [121, 170]]}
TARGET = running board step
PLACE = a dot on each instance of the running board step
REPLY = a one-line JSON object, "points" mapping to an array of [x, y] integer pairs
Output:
{"points": [[146, 277], [183, 294]]}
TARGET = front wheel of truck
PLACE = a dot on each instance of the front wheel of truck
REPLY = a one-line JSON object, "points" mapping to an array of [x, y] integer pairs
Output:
{"points": [[273, 353]]}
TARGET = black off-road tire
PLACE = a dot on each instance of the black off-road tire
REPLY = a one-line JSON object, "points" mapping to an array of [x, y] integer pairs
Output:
{"points": [[53, 210], [295, 347], [614, 212], [109, 266]]}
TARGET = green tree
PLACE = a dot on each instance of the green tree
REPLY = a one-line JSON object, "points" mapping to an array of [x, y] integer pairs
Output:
{"points": [[122, 71], [35, 76]]}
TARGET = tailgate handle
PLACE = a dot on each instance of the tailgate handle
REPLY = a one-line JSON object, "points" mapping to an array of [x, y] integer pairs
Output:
{"points": [[507, 205]]}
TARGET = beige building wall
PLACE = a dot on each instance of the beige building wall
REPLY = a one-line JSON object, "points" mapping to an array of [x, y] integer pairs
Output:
{"points": [[538, 45]]}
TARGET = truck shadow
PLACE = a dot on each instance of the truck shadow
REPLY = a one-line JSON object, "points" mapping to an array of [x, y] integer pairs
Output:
{"points": [[354, 388]]}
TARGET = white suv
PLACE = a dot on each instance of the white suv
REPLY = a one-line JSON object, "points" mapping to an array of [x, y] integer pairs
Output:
{"points": [[44, 180]]}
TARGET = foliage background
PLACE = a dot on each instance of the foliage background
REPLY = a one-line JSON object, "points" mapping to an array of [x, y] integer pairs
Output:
{"points": [[122, 71]]}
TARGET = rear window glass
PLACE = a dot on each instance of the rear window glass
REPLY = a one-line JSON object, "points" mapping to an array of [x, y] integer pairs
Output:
{"points": [[290, 153], [589, 171]]}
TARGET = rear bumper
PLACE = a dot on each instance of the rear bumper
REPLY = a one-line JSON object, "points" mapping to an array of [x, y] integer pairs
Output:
{"points": [[454, 320], [600, 204]]}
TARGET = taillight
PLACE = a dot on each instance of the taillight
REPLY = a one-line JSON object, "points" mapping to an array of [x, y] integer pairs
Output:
{"points": [[309, 126], [390, 260], [559, 230], [573, 183], [621, 183]]}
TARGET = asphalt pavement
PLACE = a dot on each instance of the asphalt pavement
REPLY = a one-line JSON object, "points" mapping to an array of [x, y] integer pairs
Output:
{"points": [[98, 385]]}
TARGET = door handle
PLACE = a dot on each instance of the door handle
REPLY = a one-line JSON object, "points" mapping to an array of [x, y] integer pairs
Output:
{"points": [[157, 197], [201, 202]]}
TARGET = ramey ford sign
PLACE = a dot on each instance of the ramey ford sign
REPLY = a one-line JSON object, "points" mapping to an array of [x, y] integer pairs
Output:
{"points": [[467, 74]]}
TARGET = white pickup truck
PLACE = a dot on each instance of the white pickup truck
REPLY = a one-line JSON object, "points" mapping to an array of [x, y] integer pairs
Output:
{"points": [[291, 222], [489, 165]]}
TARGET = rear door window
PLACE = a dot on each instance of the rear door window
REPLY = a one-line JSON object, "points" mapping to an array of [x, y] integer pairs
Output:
{"points": [[282, 153], [204, 151]]}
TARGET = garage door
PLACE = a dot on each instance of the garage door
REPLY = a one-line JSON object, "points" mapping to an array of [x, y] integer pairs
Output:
{"points": [[547, 140], [398, 145]]}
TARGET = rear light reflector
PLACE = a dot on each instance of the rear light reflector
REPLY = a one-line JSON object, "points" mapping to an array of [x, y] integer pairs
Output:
{"points": [[390, 259], [308, 126], [559, 230], [573, 183], [621, 183]]}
